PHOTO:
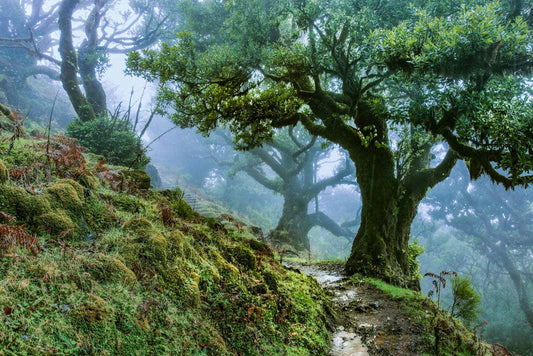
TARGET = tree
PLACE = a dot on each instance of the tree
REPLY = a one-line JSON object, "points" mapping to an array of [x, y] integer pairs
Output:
{"points": [[97, 43], [28, 36], [19, 66], [497, 224], [288, 166], [387, 81]]}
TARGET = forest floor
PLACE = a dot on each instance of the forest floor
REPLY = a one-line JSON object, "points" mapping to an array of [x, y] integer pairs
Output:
{"points": [[368, 321]]}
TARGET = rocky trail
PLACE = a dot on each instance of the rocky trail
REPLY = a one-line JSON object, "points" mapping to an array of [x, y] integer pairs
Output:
{"points": [[368, 322]]}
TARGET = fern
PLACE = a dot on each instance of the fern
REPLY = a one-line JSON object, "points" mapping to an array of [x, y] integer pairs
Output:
{"points": [[17, 236]]}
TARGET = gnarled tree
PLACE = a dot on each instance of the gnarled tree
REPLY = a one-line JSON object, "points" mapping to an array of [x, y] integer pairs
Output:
{"points": [[497, 224], [31, 36], [289, 166], [387, 81]]}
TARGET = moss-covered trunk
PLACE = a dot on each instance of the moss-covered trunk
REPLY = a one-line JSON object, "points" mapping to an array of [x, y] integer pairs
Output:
{"points": [[380, 246], [293, 225], [69, 62]]}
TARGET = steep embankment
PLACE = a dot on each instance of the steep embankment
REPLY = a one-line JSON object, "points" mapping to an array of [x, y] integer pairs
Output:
{"points": [[92, 261]]}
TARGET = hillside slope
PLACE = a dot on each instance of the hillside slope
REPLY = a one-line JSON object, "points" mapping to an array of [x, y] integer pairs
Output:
{"points": [[92, 261]]}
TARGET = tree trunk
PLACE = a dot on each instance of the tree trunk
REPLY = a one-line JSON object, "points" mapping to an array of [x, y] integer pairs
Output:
{"points": [[93, 88], [293, 225], [381, 244], [88, 56], [69, 62]]}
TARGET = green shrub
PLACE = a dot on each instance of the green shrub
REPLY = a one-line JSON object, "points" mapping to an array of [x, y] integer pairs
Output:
{"points": [[465, 299], [113, 139]]}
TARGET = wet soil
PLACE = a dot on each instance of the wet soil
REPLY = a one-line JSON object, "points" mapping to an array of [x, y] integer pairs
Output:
{"points": [[368, 322]]}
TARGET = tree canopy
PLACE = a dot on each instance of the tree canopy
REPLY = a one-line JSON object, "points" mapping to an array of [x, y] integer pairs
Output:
{"points": [[387, 81]]}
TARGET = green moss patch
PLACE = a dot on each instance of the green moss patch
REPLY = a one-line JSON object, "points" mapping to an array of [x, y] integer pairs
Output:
{"points": [[65, 195], [56, 222], [4, 173]]}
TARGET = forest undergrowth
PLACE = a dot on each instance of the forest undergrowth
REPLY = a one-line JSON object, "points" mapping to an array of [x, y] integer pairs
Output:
{"points": [[93, 261]]}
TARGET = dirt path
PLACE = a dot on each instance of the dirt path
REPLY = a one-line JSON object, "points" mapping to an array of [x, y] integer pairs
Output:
{"points": [[368, 322]]}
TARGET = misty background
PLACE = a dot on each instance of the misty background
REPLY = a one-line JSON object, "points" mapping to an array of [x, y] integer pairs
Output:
{"points": [[474, 228]]}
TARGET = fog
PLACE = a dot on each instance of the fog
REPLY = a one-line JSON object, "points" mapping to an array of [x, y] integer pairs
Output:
{"points": [[473, 227]]}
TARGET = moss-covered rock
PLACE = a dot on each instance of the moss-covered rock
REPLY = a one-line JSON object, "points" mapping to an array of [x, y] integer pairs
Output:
{"points": [[98, 216], [244, 257], [107, 269], [126, 202], [74, 184], [89, 181], [64, 195], [228, 270], [93, 310], [56, 222], [24, 206], [259, 247], [136, 179], [138, 226], [4, 173], [270, 279], [155, 250]]}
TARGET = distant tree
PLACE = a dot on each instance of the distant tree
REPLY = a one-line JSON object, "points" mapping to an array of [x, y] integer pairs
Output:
{"points": [[387, 81], [289, 166], [29, 32], [18, 62], [497, 224], [98, 42]]}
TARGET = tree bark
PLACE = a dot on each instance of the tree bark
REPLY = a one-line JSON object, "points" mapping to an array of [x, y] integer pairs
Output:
{"points": [[382, 235], [88, 61], [389, 206], [293, 225], [69, 63]]}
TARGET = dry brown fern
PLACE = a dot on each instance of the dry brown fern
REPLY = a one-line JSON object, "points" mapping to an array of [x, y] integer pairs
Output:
{"points": [[67, 156], [167, 216], [17, 236]]}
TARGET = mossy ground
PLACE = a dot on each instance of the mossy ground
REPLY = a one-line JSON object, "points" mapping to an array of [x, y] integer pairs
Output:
{"points": [[115, 277]]}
